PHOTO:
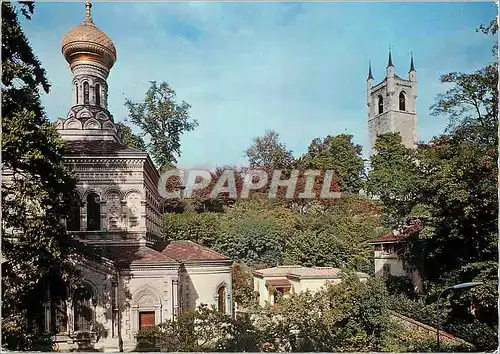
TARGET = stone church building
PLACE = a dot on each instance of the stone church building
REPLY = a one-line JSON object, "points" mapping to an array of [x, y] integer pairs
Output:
{"points": [[131, 279]]}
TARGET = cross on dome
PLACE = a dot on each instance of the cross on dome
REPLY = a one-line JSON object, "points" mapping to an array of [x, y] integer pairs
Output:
{"points": [[88, 13]]}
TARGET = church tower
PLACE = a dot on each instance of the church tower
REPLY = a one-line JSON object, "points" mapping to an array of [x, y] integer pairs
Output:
{"points": [[392, 105]]}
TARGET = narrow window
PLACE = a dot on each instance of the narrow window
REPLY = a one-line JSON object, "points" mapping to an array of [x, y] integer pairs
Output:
{"points": [[93, 212], [380, 105], [76, 91], [85, 93], [402, 101], [98, 95], [387, 270], [73, 223], [83, 310], [59, 316], [221, 300]]}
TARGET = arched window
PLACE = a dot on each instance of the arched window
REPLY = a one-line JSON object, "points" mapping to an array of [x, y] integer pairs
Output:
{"points": [[59, 315], [76, 92], [97, 94], [402, 101], [221, 299], [85, 93], [73, 222], [93, 212], [380, 104], [84, 314]]}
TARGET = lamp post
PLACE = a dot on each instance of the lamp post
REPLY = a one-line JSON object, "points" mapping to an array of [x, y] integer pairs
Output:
{"points": [[454, 287]]}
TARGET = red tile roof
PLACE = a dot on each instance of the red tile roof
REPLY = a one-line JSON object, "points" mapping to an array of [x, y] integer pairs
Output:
{"points": [[410, 230], [131, 254], [279, 271], [317, 272], [190, 251], [389, 238]]}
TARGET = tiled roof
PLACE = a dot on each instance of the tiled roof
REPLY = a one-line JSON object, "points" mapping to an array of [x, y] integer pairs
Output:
{"points": [[302, 272], [389, 238], [410, 230], [130, 254], [96, 147], [190, 251], [316, 272], [279, 271]]}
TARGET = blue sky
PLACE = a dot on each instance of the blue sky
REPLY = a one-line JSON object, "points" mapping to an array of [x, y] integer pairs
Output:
{"points": [[297, 68]]}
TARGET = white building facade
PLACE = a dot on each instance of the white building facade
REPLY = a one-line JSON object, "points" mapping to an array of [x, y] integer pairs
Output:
{"points": [[287, 280], [388, 250]]}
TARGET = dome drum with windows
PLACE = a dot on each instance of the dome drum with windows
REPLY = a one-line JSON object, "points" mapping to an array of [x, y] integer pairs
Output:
{"points": [[86, 42]]}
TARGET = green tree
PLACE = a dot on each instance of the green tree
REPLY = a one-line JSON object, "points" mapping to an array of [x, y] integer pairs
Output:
{"points": [[261, 208], [132, 140], [37, 189], [349, 316], [340, 154], [203, 330], [335, 237], [192, 331], [461, 172], [163, 121], [395, 178], [269, 153], [254, 242], [202, 228], [242, 282], [456, 175]]}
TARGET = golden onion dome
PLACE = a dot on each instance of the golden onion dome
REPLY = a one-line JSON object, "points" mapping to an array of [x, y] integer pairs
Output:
{"points": [[86, 41]]}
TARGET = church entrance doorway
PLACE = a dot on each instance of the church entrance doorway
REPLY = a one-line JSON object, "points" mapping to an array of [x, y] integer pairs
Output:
{"points": [[146, 319]]}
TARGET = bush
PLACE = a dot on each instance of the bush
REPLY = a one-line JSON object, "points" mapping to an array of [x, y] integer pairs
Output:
{"points": [[399, 285], [147, 339], [482, 336]]}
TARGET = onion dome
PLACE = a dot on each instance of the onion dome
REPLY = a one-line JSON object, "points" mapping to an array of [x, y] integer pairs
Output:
{"points": [[87, 42]]}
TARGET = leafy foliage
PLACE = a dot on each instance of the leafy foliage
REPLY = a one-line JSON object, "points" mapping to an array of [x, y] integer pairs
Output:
{"points": [[242, 283], [132, 140], [350, 316], [451, 184], [345, 317], [163, 121], [255, 230], [336, 239], [37, 191], [252, 241], [424, 310], [204, 329], [268, 152], [395, 178], [340, 154], [202, 228]]}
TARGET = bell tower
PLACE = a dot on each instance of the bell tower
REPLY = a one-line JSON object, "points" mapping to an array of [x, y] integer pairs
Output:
{"points": [[392, 105]]}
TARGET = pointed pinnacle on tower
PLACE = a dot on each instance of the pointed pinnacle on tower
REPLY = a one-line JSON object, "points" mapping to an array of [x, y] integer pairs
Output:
{"points": [[370, 76], [390, 58], [88, 13], [412, 66]]}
